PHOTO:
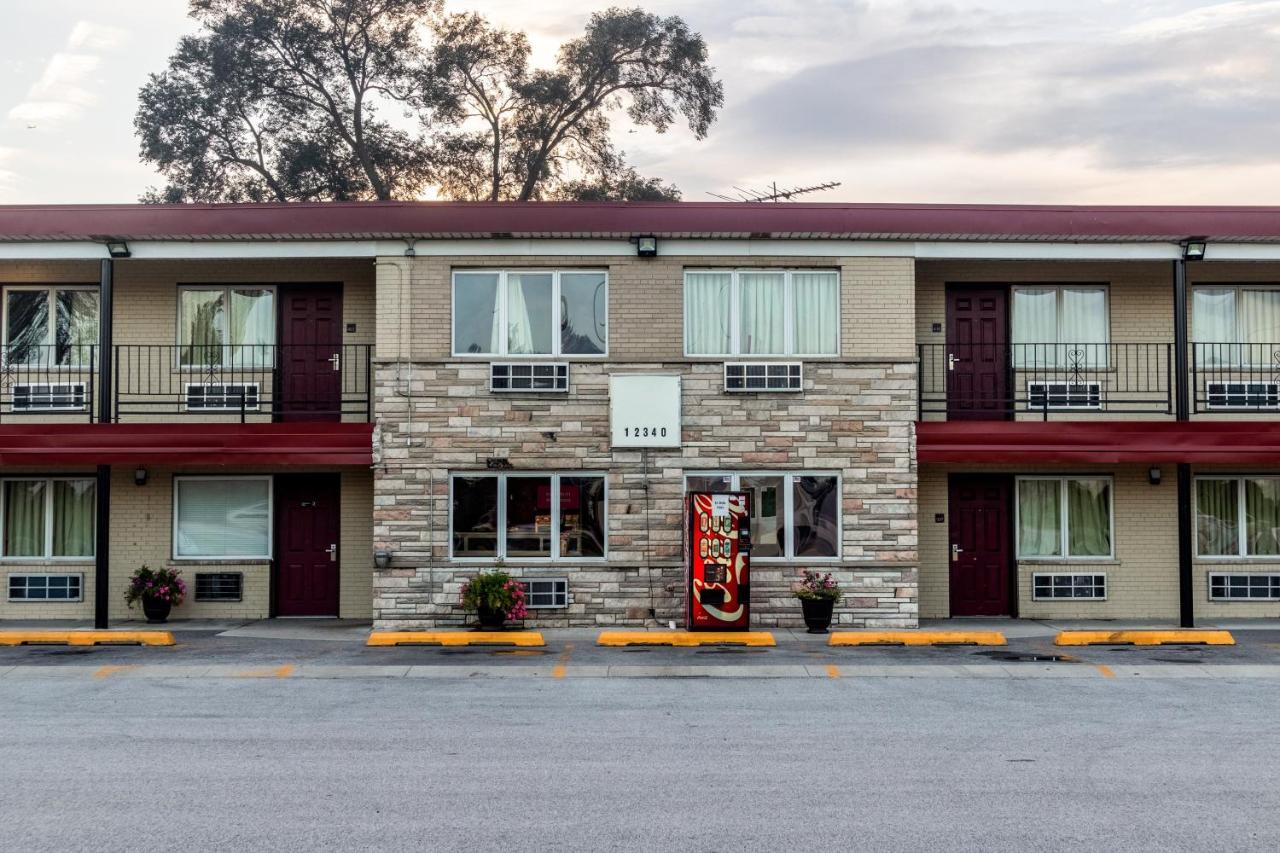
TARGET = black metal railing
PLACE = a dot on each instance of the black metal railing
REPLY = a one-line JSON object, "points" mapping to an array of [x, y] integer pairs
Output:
{"points": [[1005, 381], [48, 380], [1235, 377]]}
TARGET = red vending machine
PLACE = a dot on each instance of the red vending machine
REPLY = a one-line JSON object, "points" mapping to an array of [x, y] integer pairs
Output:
{"points": [[717, 561]]}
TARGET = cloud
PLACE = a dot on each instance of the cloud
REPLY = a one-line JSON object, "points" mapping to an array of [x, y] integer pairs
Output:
{"points": [[69, 83]]}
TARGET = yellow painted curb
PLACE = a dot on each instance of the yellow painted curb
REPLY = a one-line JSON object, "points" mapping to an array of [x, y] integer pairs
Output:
{"points": [[86, 638], [456, 638], [1145, 638], [685, 638], [916, 638]]}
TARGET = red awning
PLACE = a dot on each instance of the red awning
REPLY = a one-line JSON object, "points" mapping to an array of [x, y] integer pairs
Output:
{"points": [[1099, 441], [203, 444]]}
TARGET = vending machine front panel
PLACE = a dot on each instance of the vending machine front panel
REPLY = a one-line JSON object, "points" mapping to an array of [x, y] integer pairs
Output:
{"points": [[717, 561]]}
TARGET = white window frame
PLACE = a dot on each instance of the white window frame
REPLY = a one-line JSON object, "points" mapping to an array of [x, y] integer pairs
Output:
{"points": [[1240, 361], [1237, 574], [788, 504], [1064, 527], [1106, 586], [1021, 361], [735, 312], [501, 516], [79, 576], [47, 556], [227, 366], [1242, 526], [556, 321], [271, 520], [51, 299]]}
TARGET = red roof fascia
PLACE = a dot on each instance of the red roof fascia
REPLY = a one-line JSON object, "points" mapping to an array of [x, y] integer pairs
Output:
{"points": [[205, 444], [1100, 442]]}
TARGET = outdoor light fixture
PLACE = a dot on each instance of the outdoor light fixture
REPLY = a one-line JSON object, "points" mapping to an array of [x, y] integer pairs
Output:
{"points": [[1153, 475], [1193, 249], [647, 246], [118, 249], [382, 559], [140, 476]]}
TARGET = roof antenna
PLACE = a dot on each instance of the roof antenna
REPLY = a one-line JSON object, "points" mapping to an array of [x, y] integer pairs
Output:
{"points": [[774, 194]]}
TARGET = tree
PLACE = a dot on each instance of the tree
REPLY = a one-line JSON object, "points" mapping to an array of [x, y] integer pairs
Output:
{"points": [[281, 100], [537, 126]]}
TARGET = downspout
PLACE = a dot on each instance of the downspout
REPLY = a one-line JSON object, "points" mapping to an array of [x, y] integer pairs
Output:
{"points": [[102, 532], [1182, 413]]}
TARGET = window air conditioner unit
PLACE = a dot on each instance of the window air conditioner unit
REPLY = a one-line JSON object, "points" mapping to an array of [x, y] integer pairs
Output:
{"points": [[222, 398], [47, 397], [750, 377], [1243, 395], [1063, 395], [538, 377]]}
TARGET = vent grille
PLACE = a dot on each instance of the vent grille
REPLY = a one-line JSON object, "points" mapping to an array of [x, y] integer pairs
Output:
{"points": [[1243, 395], [546, 377], [219, 586], [742, 377], [47, 397], [1052, 586], [1224, 586], [213, 398], [1064, 395], [545, 593], [46, 587]]}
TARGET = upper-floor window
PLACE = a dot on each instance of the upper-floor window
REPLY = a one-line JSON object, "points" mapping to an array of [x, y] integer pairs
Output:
{"points": [[530, 312], [48, 518], [761, 312], [1235, 325], [1060, 326], [793, 516], [50, 325], [231, 326]]}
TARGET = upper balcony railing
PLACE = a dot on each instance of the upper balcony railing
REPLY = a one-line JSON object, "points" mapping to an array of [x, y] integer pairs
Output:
{"points": [[159, 382]]}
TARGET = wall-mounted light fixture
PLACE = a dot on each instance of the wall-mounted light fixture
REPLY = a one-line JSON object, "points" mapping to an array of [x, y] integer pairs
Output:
{"points": [[1153, 475], [140, 476], [382, 559], [118, 249], [1193, 248], [647, 246]]}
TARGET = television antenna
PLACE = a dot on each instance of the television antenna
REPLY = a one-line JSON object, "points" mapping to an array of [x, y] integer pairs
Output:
{"points": [[774, 193]]}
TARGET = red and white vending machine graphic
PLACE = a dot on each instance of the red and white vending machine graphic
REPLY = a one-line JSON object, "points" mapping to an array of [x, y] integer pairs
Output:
{"points": [[717, 561]]}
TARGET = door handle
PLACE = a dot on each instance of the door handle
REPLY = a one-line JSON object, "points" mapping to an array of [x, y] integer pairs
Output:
{"points": [[333, 553], [951, 361], [336, 360], [956, 550]]}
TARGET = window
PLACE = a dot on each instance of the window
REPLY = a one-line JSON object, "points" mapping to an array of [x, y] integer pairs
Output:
{"points": [[761, 312], [47, 519], [1064, 518], [226, 326], [1259, 587], [1235, 326], [1050, 586], [1238, 517], [530, 312], [792, 515], [222, 518], [1064, 326], [46, 587], [49, 326], [546, 593], [528, 516]]}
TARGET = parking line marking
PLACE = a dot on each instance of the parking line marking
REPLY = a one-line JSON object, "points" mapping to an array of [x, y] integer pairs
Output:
{"points": [[562, 665], [108, 671], [284, 671], [1105, 670], [833, 671]]}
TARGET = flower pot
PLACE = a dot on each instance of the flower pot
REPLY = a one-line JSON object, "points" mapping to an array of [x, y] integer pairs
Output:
{"points": [[156, 610], [490, 618], [817, 613]]}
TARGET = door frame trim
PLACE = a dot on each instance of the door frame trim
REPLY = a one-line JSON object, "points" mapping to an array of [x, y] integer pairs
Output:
{"points": [[273, 592], [1010, 481]]}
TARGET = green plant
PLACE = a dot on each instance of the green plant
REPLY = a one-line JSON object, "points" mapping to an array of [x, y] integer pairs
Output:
{"points": [[495, 591], [156, 585], [817, 587]]}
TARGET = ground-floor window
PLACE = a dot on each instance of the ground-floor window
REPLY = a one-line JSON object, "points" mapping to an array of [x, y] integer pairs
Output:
{"points": [[66, 587], [528, 516], [1064, 518], [1238, 516], [222, 518], [48, 518], [792, 515]]}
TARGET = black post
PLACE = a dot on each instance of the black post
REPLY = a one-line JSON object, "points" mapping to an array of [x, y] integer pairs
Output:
{"points": [[1182, 412], [106, 289], [102, 544]]}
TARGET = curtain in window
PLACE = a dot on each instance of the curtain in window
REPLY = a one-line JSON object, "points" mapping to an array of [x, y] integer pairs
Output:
{"points": [[1039, 518], [817, 312], [1035, 326], [1217, 518], [1213, 326], [200, 325], [73, 518], [1261, 315], [24, 505], [222, 518], [763, 313], [27, 329], [583, 313], [706, 313], [476, 319], [529, 314], [815, 528], [1082, 327], [1262, 516], [1088, 518], [77, 331], [768, 515], [252, 328]]}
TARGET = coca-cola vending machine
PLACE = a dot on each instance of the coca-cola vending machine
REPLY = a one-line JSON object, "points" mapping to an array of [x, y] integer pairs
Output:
{"points": [[717, 561]]}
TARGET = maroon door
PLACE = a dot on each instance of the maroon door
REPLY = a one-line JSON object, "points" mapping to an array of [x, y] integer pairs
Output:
{"points": [[978, 353], [980, 548], [307, 515], [310, 374]]}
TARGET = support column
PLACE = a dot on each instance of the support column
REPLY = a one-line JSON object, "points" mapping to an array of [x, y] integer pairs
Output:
{"points": [[1182, 412], [102, 531]]}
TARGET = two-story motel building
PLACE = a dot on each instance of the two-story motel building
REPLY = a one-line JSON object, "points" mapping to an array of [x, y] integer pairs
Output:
{"points": [[348, 409]]}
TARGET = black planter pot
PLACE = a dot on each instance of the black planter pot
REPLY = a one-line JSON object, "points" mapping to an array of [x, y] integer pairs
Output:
{"points": [[817, 614], [157, 611], [490, 619]]}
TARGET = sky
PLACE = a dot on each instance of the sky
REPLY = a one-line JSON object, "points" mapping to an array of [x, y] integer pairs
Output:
{"points": [[996, 101]]}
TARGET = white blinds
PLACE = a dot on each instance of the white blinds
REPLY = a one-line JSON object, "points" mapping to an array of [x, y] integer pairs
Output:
{"points": [[222, 518]]}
